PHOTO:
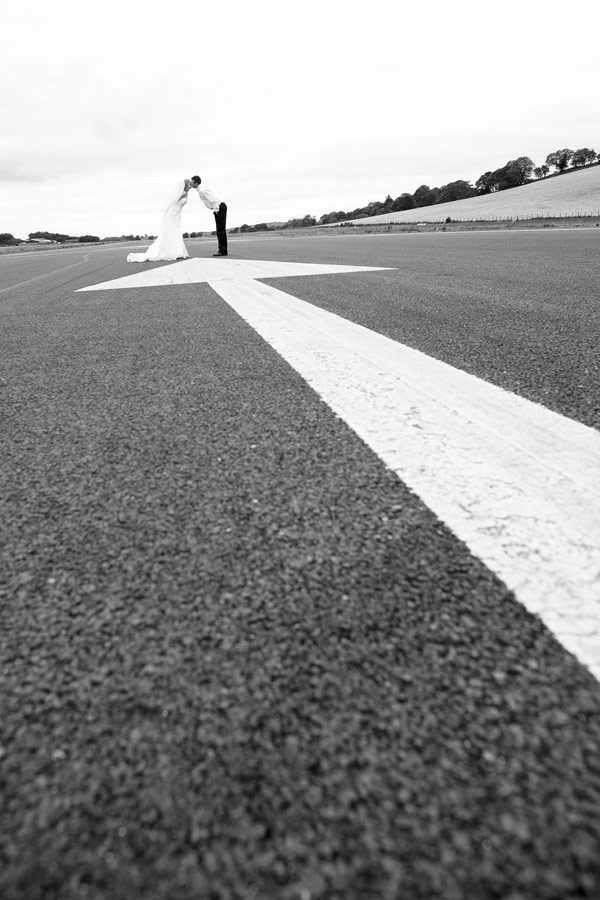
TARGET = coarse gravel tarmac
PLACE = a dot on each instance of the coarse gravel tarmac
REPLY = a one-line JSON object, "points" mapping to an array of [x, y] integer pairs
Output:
{"points": [[238, 657]]}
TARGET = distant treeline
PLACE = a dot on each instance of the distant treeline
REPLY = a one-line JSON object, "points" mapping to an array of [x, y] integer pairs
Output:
{"points": [[515, 173], [53, 237], [306, 222]]}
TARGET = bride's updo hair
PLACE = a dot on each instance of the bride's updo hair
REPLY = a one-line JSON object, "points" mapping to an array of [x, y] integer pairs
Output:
{"points": [[196, 179]]}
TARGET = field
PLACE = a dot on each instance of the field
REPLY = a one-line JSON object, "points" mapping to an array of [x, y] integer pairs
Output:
{"points": [[570, 196]]}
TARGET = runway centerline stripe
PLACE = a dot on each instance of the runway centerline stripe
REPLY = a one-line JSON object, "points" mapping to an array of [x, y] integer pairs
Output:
{"points": [[518, 483]]}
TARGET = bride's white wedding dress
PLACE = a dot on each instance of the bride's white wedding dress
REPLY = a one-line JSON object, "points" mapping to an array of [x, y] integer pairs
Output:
{"points": [[169, 243]]}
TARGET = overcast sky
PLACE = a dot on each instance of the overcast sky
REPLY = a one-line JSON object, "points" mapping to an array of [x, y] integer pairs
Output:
{"points": [[284, 109]]}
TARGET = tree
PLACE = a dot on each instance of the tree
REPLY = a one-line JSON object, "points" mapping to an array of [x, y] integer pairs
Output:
{"points": [[486, 183], [456, 190], [583, 156], [332, 217], [50, 236], [374, 208], [426, 196], [88, 239], [560, 159], [514, 173], [404, 201], [508, 176], [6, 239], [541, 171], [524, 166], [306, 222]]}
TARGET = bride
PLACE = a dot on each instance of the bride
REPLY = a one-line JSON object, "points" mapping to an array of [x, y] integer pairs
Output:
{"points": [[169, 243]]}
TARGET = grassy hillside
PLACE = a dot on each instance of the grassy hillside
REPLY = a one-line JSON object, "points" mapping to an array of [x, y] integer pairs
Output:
{"points": [[574, 193]]}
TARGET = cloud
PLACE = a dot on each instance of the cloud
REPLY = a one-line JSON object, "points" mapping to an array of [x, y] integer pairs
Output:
{"points": [[325, 107]]}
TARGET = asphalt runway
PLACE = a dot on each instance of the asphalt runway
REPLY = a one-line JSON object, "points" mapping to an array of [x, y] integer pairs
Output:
{"points": [[240, 657]]}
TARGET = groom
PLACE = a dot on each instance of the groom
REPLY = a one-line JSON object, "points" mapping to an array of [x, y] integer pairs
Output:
{"points": [[219, 208]]}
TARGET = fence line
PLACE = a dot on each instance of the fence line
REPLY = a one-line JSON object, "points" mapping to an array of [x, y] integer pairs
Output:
{"points": [[450, 219]]}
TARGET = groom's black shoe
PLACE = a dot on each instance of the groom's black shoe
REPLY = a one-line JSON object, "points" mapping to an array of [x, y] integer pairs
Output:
{"points": [[219, 254]]}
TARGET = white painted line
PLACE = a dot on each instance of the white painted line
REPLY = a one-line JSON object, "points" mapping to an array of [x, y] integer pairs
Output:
{"points": [[193, 271], [516, 482], [13, 287]]}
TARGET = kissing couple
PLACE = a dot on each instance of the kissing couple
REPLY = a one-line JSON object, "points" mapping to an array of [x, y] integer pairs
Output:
{"points": [[169, 243]]}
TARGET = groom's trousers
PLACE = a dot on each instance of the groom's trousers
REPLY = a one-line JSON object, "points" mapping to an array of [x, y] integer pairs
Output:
{"points": [[221, 220]]}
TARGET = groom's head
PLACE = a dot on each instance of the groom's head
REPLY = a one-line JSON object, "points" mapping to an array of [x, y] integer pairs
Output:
{"points": [[196, 180]]}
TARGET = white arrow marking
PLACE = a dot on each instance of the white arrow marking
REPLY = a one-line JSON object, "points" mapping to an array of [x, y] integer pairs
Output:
{"points": [[516, 482], [192, 271]]}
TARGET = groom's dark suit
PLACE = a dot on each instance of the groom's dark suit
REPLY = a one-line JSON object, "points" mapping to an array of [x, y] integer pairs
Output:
{"points": [[210, 199], [221, 221]]}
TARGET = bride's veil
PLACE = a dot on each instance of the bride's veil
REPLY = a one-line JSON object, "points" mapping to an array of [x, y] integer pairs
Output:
{"points": [[174, 195]]}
